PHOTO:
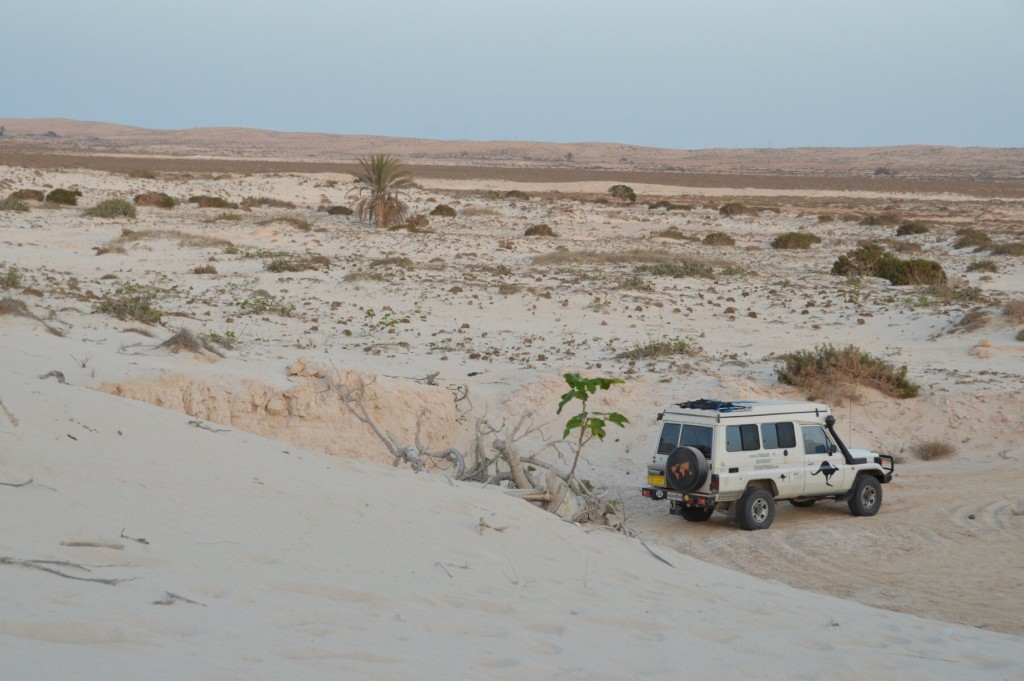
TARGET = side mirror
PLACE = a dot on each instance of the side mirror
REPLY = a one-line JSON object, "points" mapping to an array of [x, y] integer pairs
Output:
{"points": [[831, 449]]}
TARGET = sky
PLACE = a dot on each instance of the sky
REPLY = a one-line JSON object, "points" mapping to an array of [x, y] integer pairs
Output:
{"points": [[681, 74]]}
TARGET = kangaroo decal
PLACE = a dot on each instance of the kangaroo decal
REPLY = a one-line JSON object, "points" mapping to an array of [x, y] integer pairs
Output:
{"points": [[681, 470], [826, 469]]}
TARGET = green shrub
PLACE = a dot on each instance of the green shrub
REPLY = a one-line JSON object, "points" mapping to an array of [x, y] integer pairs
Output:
{"points": [[623, 193], [28, 195], [635, 283], [674, 233], [719, 239], [911, 227], [63, 197], [133, 301], [1016, 248], [11, 278], [206, 201], [821, 370], [871, 259], [735, 209], [539, 230], [156, 200], [297, 263], [11, 203], [661, 348], [443, 210], [795, 240], [968, 237], [983, 266], [111, 208], [685, 267]]}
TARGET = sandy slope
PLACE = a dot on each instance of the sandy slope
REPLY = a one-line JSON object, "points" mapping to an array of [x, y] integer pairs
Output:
{"points": [[308, 560]]}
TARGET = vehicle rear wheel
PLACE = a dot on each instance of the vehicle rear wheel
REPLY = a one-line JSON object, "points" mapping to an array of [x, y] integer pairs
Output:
{"points": [[802, 503], [696, 514], [756, 509], [866, 497]]}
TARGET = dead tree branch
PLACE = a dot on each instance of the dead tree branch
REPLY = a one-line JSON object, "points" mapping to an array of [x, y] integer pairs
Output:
{"points": [[45, 566], [10, 416], [17, 484]]}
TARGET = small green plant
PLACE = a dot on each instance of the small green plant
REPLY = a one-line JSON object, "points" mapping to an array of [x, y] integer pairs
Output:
{"points": [[443, 210], [63, 197], [262, 302], [134, 301], [156, 200], [623, 192], [911, 227], [13, 204], [719, 239], [795, 240], [228, 340], [298, 263], [539, 230], [11, 278], [827, 367], [665, 347], [588, 424], [111, 208], [930, 450], [636, 283], [681, 268]]}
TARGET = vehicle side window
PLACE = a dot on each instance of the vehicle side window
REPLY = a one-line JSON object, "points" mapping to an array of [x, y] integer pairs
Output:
{"points": [[669, 438], [815, 440], [698, 437], [778, 435], [742, 438]]}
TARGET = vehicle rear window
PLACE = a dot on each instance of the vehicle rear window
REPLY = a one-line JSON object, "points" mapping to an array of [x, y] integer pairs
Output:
{"points": [[742, 438], [778, 435], [674, 435], [669, 438]]}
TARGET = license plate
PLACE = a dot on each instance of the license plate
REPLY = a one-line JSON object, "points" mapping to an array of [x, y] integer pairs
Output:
{"points": [[656, 480], [675, 496]]}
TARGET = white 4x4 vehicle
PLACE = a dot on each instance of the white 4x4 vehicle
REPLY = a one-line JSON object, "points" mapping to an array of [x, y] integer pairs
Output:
{"points": [[740, 457]]}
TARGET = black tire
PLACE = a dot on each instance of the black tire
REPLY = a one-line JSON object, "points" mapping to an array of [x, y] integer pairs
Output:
{"points": [[686, 469], [696, 514], [866, 497], [802, 503], [756, 509]]}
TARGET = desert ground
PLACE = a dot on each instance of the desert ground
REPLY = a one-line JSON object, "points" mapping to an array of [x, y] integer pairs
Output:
{"points": [[261, 529]]}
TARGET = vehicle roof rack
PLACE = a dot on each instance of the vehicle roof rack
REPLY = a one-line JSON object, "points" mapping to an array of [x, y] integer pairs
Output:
{"points": [[714, 405]]}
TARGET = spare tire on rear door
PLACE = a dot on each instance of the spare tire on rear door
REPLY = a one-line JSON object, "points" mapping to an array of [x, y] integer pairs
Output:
{"points": [[686, 469]]}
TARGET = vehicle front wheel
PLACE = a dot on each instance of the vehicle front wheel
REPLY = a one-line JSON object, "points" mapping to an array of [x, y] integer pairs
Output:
{"points": [[866, 497], [756, 509], [696, 514]]}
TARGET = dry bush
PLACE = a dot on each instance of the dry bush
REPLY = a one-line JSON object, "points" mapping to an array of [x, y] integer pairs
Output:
{"points": [[679, 269], [826, 218], [142, 174], [957, 292], [620, 257], [736, 209], [665, 347], [795, 240], [974, 320], [393, 261], [911, 227], [478, 211], [635, 283], [184, 339], [1014, 309], [983, 266], [365, 276], [223, 217], [826, 369], [297, 263], [887, 218], [111, 208], [719, 239], [14, 307], [1020, 335], [668, 205], [443, 210], [207, 201], [250, 202], [13, 204], [539, 230], [28, 195], [156, 200], [11, 278], [516, 194], [185, 239], [335, 210], [204, 269], [674, 233], [932, 449], [1015, 248], [297, 223]]}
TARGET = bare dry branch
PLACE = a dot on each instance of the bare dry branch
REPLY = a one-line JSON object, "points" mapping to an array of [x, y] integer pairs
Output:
{"points": [[44, 565], [10, 416]]}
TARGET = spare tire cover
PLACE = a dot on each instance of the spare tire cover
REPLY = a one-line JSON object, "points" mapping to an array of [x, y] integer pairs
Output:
{"points": [[686, 469]]}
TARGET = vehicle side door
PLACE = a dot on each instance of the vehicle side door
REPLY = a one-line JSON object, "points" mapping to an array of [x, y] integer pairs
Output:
{"points": [[780, 439], [823, 465]]}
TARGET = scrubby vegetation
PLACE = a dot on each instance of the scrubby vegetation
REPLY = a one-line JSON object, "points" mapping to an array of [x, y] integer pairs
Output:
{"points": [[516, 194], [983, 266], [678, 269], [826, 369], [251, 202], [28, 195], [156, 200], [622, 192], [297, 223], [63, 197], [13, 204], [719, 239], [293, 262], [1016, 248], [335, 210], [665, 347], [911, 227], [736, 209], [674, 233], [1014, 310], [887, 218], [968, 237], [870, 259], [443, 210], [111, 208], [11, 278], [668, 205], [207, 201], [795, 240], [133, 301], [933, 449], [539, 230]]}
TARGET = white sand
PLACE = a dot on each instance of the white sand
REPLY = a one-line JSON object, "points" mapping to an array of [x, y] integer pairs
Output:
{"points": [[309, 558]]}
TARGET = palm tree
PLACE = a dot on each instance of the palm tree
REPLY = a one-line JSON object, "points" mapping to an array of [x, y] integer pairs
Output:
{"points": [[379, 187]]}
